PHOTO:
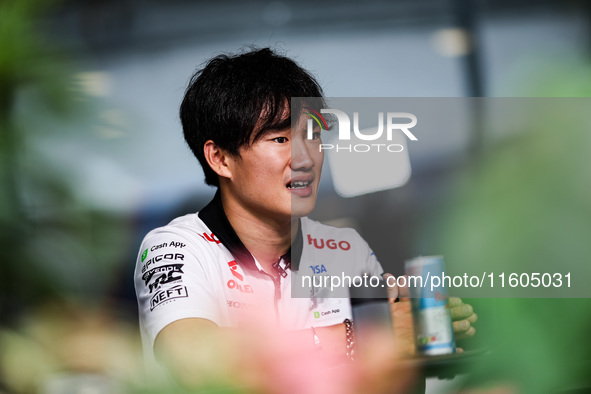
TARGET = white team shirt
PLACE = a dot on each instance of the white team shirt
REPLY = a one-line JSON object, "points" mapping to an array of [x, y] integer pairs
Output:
{"points": [[197, 267]]}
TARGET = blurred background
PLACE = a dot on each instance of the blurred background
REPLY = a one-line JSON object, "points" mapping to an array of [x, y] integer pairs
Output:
{"points": [[92, 156]]}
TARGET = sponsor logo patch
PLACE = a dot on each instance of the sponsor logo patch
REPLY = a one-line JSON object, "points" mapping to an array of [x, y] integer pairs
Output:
{"points": [[320, 243], [318, 269], [239, 305], [166, 274], [168, 256], [211, 238], [233, 284], [168, 295], [234, 267], [326, 313]]}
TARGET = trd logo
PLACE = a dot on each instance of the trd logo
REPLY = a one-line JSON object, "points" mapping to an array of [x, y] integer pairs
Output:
{"points": [[167, 275], [318, 269], [345, 125], [330, 244]]}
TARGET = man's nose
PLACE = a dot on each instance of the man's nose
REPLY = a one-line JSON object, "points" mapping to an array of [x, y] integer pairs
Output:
{"points": [[300, 156]]}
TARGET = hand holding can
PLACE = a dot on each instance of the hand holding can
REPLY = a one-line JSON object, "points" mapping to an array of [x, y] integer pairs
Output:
{"points": [[434, 334]]}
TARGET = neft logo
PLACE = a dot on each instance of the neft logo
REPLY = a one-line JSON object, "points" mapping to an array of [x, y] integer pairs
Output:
{"points": [[167, 275], [167, 295], [330, 244], [345, 130]]}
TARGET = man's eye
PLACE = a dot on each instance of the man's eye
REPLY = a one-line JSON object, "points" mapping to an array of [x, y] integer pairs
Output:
{"points": [[316, 135], [281, 140]]}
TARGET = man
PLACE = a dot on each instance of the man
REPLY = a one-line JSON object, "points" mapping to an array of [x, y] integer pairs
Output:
{"points": [[231, 264]]}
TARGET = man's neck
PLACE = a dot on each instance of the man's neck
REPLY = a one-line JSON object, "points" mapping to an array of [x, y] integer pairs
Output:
{"points": [[265, 238]]}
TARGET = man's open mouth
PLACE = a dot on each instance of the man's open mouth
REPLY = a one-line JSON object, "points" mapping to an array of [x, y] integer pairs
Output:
{"points": [[298, 184]]}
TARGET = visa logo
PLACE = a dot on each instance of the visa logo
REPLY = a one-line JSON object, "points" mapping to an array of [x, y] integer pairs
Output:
{"points": [[318, 269]]}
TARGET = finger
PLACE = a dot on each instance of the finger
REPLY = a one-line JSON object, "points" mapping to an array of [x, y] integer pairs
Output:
{"points": [[461, 312], [454, 301], [473, 318], [459, 350], [403, 290], [461, 326], [467, 334], [391, 287], [403, 327]]}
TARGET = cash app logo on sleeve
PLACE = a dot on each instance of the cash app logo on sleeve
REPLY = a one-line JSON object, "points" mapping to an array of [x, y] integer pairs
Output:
{"points": [[144, 255]]}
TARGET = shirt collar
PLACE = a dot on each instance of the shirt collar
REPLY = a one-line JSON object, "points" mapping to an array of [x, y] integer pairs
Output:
{"points": [[215, 219]]}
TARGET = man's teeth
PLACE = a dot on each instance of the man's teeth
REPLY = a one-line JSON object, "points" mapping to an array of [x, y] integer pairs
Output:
{"points": [[298, 185]]}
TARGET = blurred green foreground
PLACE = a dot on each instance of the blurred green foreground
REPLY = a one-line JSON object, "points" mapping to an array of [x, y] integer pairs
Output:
{"points": [[525, 206]]}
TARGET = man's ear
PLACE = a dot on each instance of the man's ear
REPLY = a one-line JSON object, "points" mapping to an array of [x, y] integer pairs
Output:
{"points": [[218, 159]]}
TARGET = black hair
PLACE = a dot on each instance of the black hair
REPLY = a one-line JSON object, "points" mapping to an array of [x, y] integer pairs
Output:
{"points": [[235, 99]]}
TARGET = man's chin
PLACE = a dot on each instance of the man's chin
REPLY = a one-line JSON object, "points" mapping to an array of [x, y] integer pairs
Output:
{"points": [[301, 207]]}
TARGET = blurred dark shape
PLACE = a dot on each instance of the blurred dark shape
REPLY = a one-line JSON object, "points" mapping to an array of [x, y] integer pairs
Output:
{"points": [[104, 21]]}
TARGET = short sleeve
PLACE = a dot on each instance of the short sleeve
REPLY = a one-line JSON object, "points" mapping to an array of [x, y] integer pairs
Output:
{"points": [[173, 281], [368, 261], [373, 266]]}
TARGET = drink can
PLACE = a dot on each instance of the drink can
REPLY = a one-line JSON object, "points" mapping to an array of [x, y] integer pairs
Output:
{"points": [[431, 316]]}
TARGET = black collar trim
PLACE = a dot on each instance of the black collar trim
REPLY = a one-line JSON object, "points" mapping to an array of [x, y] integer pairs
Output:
{"points": [[215, 219]]}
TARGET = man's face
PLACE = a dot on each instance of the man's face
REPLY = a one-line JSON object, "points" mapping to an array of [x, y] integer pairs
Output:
{"points": [[278, 175]]}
